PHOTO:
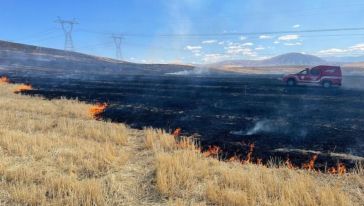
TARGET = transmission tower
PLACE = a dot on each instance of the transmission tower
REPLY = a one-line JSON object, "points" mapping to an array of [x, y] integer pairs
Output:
{"points": [[117, 41], [67, 27]]}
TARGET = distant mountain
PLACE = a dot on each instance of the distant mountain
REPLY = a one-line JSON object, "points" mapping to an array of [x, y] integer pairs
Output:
{"points": [[34, 60], [293, 59], [289, 59]]}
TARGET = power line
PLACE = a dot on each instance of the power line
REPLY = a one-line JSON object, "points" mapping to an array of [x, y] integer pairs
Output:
{"points": [[230, 33], [67, 27]]}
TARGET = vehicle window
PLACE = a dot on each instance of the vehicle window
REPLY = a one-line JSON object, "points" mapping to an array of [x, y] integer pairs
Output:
{"points": [[315, 72], [303, 72]]}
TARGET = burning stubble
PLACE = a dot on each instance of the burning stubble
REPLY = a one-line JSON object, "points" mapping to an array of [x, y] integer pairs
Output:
{"points": [[23, 88], [4, 80]]}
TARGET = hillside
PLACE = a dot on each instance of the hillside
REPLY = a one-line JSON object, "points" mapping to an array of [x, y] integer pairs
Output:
{"points": [[33, 59], [54, 153], [289, 59]]}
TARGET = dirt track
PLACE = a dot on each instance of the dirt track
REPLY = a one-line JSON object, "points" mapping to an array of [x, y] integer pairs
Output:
{"points": [[230, 112]]}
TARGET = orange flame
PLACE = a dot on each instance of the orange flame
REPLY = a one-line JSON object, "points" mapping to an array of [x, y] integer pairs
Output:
{"points": [[23, 88], [249, 155], [311, 164], [177, 132], [4, 80], [212, 151], [96, 110], [340, 169], [289, 163], [234, 159], [332, 170]]}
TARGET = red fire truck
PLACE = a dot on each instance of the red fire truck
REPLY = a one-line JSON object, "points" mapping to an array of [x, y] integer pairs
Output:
{"points": [[325, 76]]}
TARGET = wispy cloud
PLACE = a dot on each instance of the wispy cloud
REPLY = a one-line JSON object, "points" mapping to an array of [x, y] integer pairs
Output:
{"points": [[357, 47], [288, 37], [242, 38], [276, 42], [293, 43], [332, 52], [210, 41], [296, 26], [240, 49], [265, 37], [193, 48], [259, 48], [355, 50], [212, 58], [248, 44]]}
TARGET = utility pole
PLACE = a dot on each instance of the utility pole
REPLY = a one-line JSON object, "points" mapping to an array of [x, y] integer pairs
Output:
{"points": [[117, 41], [67, 27]]}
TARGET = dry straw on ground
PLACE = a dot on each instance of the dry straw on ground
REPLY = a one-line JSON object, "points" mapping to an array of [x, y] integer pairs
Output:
{"points": [[55, 153], [188, 178]]}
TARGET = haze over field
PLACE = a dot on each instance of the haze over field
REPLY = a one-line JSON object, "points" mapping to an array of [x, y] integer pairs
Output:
{"points": [[36, 60]]}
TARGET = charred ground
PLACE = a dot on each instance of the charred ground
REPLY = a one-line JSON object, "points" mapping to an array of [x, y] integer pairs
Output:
{"points": [[230, 112]]}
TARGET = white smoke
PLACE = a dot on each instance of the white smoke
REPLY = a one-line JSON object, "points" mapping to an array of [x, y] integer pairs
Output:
{"points": [[261, 126], [196, 71]]}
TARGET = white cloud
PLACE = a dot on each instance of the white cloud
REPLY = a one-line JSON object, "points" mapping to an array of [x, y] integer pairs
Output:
{"points": [[288, 37], [193, 48], [276, 42], [196, 50], [296, 26], [293, 44], [358, 47], [240, 49], [242, 38], [332, 51], [248, 44], [211, 58], [211, 41], [230, 43], [259, 48], [221, 43], [354, 50], [265, 37]]}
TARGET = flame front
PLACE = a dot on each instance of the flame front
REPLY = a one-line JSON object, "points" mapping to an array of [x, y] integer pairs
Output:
{"points": [[4, 80], [311, 164], [96, 110], [249, 155], [234, 159], [177, 132], [212, 151], [289, 163], [23, 88], [340, 169]]}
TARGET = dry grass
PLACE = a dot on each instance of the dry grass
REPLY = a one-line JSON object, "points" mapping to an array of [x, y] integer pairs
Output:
{"points": [[187, 178], [54, 153]]}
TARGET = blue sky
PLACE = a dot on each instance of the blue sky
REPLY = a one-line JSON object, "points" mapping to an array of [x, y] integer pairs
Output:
{"points": [[199, 31]]}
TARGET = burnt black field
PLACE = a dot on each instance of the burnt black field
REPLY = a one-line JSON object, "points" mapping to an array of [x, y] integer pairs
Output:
{"points": [[229, 111]]}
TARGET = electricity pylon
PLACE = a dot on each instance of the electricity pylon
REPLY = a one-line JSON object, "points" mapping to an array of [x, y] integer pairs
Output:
{"points": [[117, 41], [67, 27]]}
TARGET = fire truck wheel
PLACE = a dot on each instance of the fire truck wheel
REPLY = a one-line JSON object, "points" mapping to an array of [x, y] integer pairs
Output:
{"points": [[326, 84], [291, 82]]}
